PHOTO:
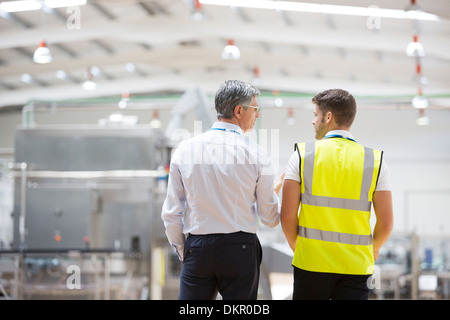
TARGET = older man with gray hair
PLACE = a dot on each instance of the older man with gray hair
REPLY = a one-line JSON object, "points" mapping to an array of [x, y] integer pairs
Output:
{"points": [[219, 183]]}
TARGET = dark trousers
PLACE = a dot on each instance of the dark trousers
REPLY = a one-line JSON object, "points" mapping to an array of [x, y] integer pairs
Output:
{"points": [[224, 263], [325, 286]]}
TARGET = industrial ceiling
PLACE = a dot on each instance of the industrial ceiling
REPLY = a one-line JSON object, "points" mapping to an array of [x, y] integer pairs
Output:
{"points": [[158, 47]]}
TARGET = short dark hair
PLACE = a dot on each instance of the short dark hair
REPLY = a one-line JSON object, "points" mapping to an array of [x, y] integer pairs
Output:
{"points": [[232, 93], [341, 104]]}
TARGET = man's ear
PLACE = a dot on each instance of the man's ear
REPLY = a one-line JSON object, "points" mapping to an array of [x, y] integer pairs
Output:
{"points": [[329, 117], [238, 111]]}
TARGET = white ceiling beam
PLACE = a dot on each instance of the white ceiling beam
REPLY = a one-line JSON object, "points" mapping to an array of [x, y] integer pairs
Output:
{"points": [[203, 58], [184, 81], [160, 31]]}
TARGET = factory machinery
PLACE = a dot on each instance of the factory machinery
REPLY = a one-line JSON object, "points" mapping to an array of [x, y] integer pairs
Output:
{"points": [[86, 214]]}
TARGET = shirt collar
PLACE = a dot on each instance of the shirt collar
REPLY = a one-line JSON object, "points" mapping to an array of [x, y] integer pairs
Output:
{"points": [[343, 133], [227, 126]]}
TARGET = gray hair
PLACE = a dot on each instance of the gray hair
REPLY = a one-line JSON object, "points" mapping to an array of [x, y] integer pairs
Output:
{"points": [[232, 93]]}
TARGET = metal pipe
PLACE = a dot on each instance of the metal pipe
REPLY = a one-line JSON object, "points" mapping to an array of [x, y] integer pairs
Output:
{"points": [[23, 193], [415, 266], [28, 115], [92, 174]]}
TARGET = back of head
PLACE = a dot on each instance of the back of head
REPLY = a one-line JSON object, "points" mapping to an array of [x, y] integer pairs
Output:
{"points": [[232, 93], [340, 103]]}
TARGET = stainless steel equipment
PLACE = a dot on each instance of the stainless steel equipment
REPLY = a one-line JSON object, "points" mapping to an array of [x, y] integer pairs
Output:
{"points": [[91, 192]]}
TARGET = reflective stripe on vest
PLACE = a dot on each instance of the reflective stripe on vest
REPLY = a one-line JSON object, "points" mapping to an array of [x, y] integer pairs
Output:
{"points": [[331, 236]]}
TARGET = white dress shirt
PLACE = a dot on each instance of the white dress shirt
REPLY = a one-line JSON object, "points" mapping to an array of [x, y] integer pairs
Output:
{"points": [[292, 171], [219, 182]]}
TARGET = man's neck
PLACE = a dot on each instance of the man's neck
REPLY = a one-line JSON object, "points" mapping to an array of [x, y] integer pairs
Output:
{"points": [[232, 121], [334, 126]]}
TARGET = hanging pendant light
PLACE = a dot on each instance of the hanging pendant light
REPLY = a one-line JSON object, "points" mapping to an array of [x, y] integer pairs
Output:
{"points": [[123, 103], [278, 101], [422, 119], [256, 77], [231, 51], [419, 101], [197, 13], [155, 123], [415, 48], [290, 119], [89, 83], [42, 54]]}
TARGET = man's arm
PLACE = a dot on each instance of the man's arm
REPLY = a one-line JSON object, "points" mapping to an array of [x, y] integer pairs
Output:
{"points": [[267, 200], [278, 183], [382, 205], [289, 211], [173, 211]]}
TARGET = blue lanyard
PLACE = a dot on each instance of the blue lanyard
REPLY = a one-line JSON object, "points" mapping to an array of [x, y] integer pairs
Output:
{"points": [[339, 136], [223, 129]]}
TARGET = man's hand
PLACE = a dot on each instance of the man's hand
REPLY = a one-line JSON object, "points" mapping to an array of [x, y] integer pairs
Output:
{"points": [[278, 183]]}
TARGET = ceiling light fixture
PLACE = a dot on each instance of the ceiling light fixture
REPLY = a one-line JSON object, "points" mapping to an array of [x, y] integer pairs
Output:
{"points": [[231, 51], [64, 3], [278, 102], [123, 103], [415, 48], [155, 123], [325, 9], [197, 13], [61, 75], [290, 120], [256, 78], [17, 6], [30, 5], [26, 78], [42, 54], [130, 67], [422, 119], [419, 101], [89, 84]]}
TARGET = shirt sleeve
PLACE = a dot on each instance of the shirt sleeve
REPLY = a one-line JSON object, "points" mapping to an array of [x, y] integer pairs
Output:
{"points": [[267, 202], [173, 209], [384, 179], [293, 167]]}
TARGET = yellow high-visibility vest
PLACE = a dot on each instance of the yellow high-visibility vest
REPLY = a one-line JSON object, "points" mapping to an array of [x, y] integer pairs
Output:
{"points": [[338, 179]]}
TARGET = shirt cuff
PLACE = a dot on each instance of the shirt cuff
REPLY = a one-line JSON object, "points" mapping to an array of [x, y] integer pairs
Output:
{"points": [[179, 250]]}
